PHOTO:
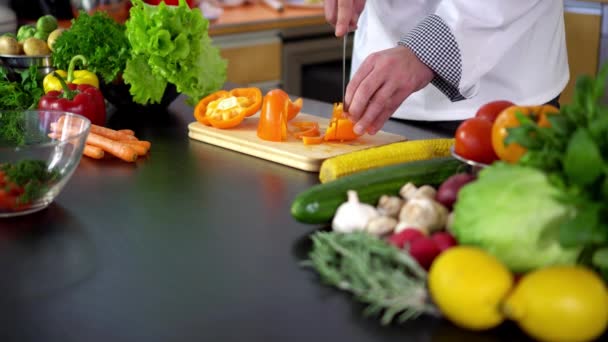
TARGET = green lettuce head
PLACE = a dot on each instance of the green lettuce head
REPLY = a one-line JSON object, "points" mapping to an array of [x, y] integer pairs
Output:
{"points": [[513, 213]]}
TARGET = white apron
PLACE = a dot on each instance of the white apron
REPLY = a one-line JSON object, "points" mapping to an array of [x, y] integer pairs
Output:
{"points": [[511, 49]]}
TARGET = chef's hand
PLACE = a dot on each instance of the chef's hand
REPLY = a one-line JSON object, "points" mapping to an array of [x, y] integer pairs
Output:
{"points": [[382, 82], [343, 14]]}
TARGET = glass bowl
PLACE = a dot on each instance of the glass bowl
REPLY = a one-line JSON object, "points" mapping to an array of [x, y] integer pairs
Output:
{"points": [[39, 151]]}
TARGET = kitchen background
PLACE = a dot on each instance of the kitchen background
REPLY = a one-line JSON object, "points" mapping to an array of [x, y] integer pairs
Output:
{"points": [[306, 59]]}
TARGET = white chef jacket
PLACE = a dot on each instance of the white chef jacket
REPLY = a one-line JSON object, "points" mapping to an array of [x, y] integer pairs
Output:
{"points": [[484, 50]]}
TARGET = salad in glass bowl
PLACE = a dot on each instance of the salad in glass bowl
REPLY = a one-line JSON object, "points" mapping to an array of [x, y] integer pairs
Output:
{"points": [[39, 151]]}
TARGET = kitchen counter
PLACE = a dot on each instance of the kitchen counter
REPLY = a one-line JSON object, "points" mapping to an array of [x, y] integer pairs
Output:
{"points": [[192, 243], [258, 17]]}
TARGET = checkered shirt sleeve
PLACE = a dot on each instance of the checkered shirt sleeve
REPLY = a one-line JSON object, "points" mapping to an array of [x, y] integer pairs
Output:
{"points": [[434, 44]]}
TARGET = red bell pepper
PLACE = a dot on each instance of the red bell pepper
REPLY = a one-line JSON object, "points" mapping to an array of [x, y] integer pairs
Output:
{"points": [[80, 99]]}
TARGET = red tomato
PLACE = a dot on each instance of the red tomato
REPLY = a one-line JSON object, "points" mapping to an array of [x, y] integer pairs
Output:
{"points": [[474, 141], [490, 110], [8, 201]]}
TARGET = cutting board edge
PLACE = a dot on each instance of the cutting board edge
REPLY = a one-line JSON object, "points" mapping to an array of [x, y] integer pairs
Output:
{"points": [[310, 165]]}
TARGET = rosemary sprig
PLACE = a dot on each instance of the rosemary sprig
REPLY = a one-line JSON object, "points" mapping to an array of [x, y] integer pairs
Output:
{"points": [[376, 273]]}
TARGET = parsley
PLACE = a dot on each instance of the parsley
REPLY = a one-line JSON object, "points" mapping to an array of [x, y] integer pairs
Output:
{"points": [[573, 151], [16, 95], [100, 39], [22, 93]]}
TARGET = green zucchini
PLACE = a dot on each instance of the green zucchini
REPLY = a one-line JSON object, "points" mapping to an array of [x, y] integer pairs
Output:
{"points": [[318, 204]]}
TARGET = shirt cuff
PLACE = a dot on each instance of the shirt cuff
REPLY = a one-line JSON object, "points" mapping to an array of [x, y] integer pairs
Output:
{"points": [[434, 44]]}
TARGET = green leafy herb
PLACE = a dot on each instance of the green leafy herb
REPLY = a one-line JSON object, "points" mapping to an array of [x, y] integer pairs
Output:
{"points": [[170, 44], [574, 152], [31, 175], [23, 92], [100, 39], [16, 95], [390, 281], [12, 129]]}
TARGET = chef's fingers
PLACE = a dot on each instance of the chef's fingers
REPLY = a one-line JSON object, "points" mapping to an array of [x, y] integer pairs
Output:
{"points": [[376, 109], [353, 87], [345, 13], [330, 11], [393, 102]]}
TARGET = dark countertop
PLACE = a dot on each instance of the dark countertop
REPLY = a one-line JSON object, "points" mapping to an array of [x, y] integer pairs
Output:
{"points": [[194, 243]]}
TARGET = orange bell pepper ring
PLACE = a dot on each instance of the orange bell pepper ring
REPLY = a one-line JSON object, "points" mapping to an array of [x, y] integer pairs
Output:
{"points": [[227, 109], [340, 127]]}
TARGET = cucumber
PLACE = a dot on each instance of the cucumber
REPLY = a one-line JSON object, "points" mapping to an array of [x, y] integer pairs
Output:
{"points": [[318, 204]]}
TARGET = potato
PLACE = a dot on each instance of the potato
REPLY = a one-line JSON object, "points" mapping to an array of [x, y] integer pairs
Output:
{"points": [[53, 37], [35, 47], [9, 46]]}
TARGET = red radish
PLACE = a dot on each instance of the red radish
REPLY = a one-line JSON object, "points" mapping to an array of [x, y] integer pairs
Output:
{"points": [[444, 240], [424, 250], [448, 190], [408, 235]]}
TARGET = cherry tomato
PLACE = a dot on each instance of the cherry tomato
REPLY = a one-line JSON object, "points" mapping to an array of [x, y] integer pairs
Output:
{"points": [[506, 119], [490, 110], [474, 141], [8, 201]]}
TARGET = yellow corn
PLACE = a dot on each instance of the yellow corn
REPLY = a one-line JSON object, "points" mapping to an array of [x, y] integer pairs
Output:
{"points": [[399, 152]]}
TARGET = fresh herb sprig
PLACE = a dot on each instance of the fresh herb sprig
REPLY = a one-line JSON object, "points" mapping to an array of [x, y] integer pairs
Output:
{"points": [[573, 151], [390, 281]]}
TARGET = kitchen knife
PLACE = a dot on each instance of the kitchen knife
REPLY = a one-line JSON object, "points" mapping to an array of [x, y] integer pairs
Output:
{"points": [[344, 40]]}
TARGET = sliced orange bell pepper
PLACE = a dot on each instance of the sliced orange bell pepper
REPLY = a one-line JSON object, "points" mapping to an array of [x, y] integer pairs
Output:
{"points": [[224, 109], [200, 111], [340, 127], [273, 118], [312, 140], [277, 109], [305, 129]]}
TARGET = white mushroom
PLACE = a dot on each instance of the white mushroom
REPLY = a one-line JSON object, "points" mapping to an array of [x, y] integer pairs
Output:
{"points": [[381, 225], [390, 205], [423, 213]]}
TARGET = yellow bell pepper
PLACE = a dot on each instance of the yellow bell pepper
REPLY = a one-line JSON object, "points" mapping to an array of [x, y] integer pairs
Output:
{"points": [[51, 82]]}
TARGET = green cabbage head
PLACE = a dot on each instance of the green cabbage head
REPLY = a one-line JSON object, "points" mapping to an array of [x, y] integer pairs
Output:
{"points": [[511, 212]]}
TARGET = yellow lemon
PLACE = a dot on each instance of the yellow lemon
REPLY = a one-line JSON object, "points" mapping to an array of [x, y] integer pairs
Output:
{"points": [[560, 304], [468, 285]]}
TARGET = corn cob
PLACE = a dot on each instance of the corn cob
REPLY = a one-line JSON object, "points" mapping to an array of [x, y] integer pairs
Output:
{"points": [[399, 152]]}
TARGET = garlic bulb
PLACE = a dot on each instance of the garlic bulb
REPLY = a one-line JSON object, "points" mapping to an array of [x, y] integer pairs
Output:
{"points": [[353, 215]]}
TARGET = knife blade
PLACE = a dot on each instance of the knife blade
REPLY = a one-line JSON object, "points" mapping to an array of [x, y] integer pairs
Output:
{"points": [[344, 41]]}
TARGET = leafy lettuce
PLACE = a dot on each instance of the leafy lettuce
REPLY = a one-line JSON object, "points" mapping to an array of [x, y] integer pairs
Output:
{"points": [[170, 44], [514, 213]]}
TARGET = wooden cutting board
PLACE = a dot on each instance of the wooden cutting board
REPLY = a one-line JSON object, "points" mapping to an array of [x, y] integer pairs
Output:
{"points": [[292, 152]]}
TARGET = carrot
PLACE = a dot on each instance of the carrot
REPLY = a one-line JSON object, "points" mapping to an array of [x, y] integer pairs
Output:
{"points": [[110, 133], [113, 147], [139, 146], [93, 152], [126, 131], [144, 143]]}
